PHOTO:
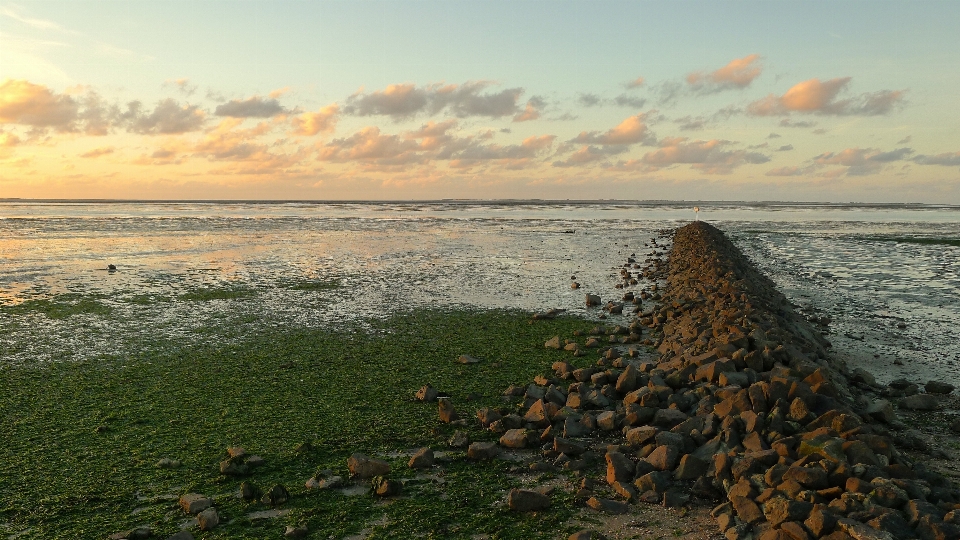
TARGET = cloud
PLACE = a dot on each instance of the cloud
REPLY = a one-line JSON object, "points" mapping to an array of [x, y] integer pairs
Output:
{"points": [[433, 141], [905, 140], [690, 123], [949, 159], [773, 136], [9, 140], [706, 156], [97, 152], [254, 107], [636, 83], [631, 131], [589, 154], [739, 73], [279, 92], [168, 117], [785, 148], [183, 85], [820, 97], [40, 24], [622, 100], [862, 161], [791, 171], [589, 100], [25, 103], [532, 111], [407, 100], [786, 122], [312, 123]]}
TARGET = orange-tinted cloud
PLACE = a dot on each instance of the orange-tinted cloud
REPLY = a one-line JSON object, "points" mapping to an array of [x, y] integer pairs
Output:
{"points": [[739, 73], [862, 161], [531, 111], [636, 83], [25, 103], [9, 140], [707, 156], [631, 131], [312, 123], [820, 97], [97, 152]]}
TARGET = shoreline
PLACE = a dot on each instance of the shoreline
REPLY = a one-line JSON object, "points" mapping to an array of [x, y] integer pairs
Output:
{"points": [[294, 460]]}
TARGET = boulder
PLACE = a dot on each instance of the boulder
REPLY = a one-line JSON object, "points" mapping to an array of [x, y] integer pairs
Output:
{"points": [[208, 519], [608, 506], [422, 459], [920, 402], [193, 503], [938, 387], [277, 495], [362, 466], [447, 412], [426, 393], [482, 450], [385, 487], [525, 500]]}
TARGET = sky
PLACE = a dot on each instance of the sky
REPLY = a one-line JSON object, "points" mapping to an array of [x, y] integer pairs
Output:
{"points": [[833, 101]]}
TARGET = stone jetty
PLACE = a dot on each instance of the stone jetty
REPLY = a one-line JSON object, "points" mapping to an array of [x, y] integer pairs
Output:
{"points": [[745, 405]]}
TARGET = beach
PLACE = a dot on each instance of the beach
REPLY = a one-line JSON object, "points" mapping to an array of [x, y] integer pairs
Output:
{"points": [[302, 331]]}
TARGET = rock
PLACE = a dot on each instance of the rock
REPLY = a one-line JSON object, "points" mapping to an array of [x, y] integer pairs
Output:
{"points": [[460, 439], [467, 359], [446, 411], [820, 522], [746, 509], [592, 300], [779, 510], [938, 387], [182, 535], [276, 496], [955, 426], [384, 487], [525, 500], [619, 468], [482, 451], [208, 519], [167, 463], [249, 492], [426, 394], [361, 466], [553, 343], [422, 459], [236, 451], [920, 402], [568, 447], [883, 411], [234, 466], [515, 438], [663, 458], [586, 535], [139, 533], [193, 503], [860, 531], [607, 421], [295, 532], [690, 467], [608, 506]]}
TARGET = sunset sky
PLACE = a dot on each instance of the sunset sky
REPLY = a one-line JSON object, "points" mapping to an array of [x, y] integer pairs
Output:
{"points": [[774, 100]]}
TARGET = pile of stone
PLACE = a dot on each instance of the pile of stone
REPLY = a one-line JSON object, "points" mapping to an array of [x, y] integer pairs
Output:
{"points": [[744, 404]]}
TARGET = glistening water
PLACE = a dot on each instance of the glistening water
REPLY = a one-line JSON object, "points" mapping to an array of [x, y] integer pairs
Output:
{"points": [[887, 276]]}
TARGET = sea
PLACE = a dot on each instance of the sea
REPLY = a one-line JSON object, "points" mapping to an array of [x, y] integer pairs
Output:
{"points": [[884, 278]]}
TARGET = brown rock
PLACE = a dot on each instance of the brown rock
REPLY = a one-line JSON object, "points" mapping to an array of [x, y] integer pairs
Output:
{"points": [[663, 458], [482, 450], [779, 510], [422, 459], [447, 412], [690, 467], [193, 503], [208, 519], [607, 506], [515, 438], [746, 509], [619, 468], [362, 466], [426, 393]]}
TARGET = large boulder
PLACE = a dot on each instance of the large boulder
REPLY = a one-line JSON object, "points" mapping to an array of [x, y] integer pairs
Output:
{"points": [[362, 466]]}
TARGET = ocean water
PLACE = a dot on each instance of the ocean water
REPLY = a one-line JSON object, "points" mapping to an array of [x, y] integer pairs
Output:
{"points": [[887, 276]]}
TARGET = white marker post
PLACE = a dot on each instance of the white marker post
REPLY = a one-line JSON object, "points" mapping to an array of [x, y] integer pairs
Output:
{"points": [[696, 209]]}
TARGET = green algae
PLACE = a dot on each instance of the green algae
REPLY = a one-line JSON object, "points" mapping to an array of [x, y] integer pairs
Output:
{"points": [[61, 306], [82, 439]]}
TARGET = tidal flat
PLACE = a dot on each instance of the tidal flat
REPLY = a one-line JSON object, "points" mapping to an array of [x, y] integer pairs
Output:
{"points": [[82, 440]]}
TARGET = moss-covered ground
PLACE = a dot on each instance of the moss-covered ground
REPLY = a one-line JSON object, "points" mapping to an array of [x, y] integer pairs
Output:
{"points": [[79, 441]]}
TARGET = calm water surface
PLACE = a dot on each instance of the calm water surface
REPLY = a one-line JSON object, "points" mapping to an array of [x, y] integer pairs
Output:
{"points": [[189, 272]]}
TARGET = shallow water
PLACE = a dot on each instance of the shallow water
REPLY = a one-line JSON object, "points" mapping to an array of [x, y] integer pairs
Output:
{"points": [[190, 272]]}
